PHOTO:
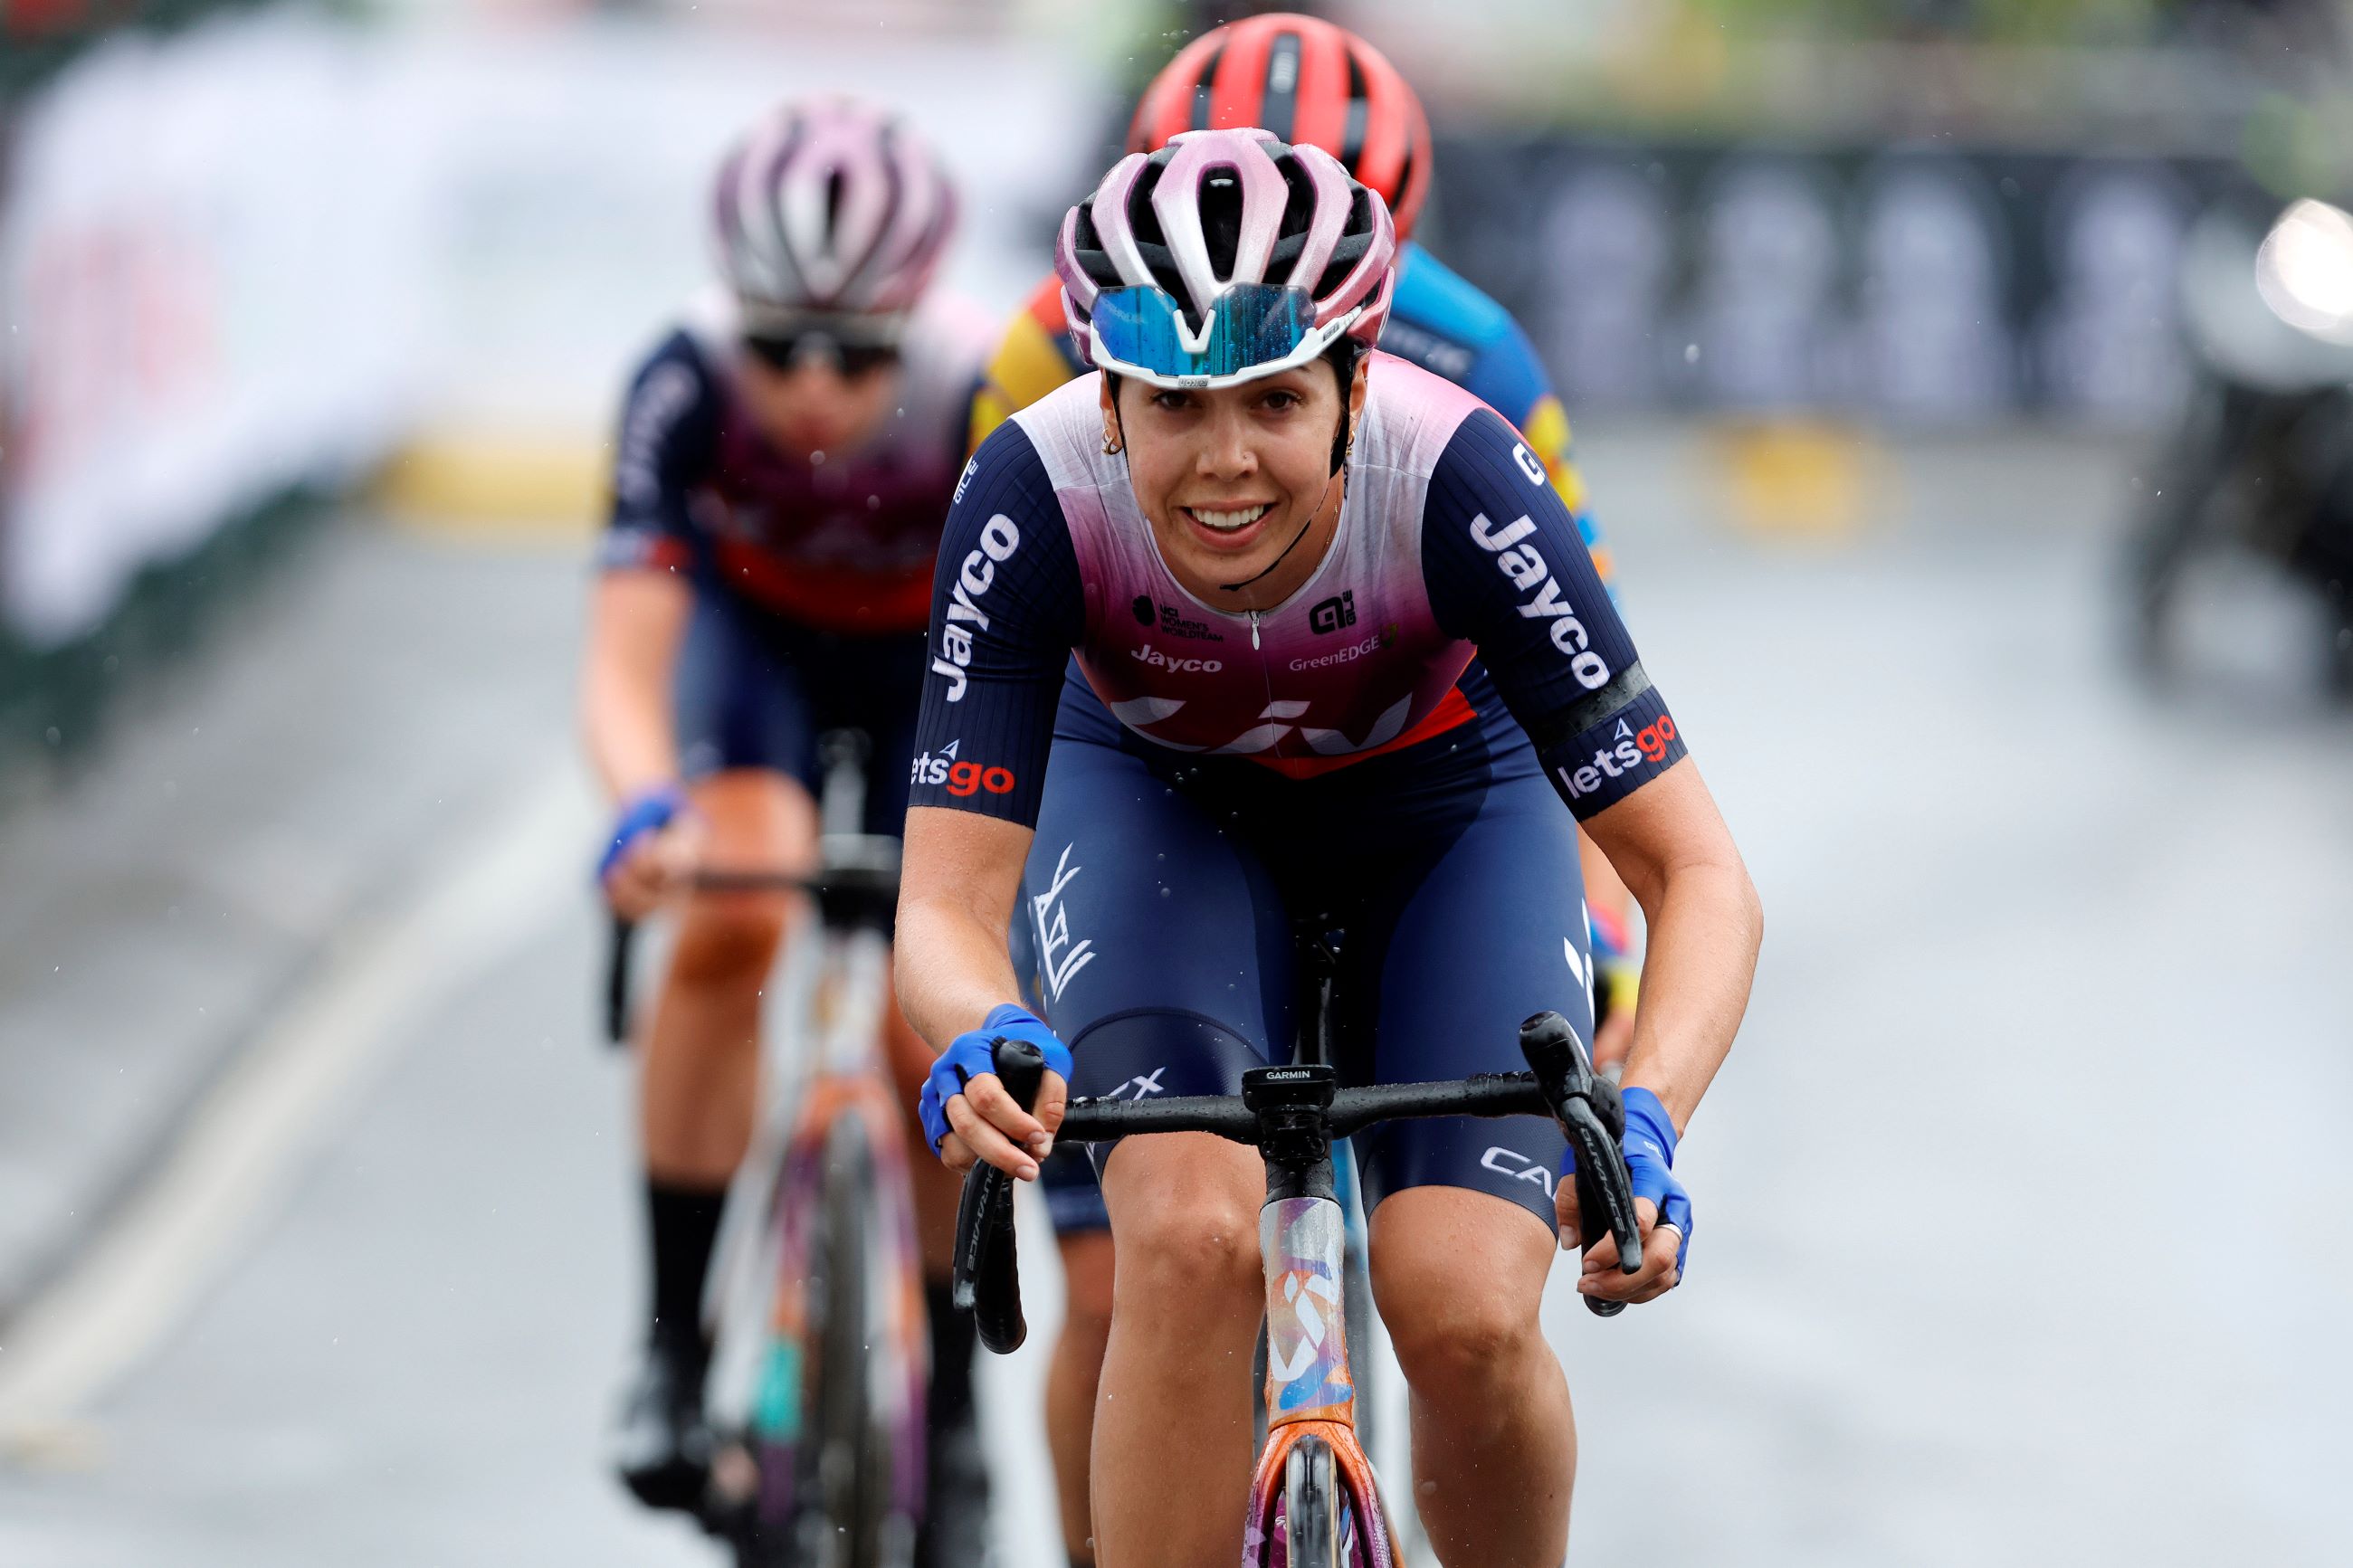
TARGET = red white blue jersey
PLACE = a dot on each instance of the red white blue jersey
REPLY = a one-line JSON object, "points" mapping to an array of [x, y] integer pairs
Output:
{"points": [[843, 540], [1452, 545]]}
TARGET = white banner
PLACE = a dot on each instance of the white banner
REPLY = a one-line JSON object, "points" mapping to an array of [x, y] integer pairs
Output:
{"points": [[206, 269]]}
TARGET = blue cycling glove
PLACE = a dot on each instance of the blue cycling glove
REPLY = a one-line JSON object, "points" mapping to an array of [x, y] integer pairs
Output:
{"points": [[972, 1055], [1650, 1150], [647, 811]]}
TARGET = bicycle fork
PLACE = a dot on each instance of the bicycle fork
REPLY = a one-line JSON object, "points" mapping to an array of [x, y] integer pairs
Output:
{"points": [[1311, 1397]]}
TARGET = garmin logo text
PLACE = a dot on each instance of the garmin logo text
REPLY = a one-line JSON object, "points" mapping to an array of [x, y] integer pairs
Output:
{"points": [[1524, 566], [1152, 655], [999, 540]]}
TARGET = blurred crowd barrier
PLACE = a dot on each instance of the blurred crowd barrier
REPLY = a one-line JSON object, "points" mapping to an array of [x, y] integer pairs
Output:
{"points": [[1928, 288], [202, 267]]}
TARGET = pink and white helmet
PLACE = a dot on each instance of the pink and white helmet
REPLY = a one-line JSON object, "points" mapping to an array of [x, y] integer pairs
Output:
{"points": [[830, 207], [1224, 256]]}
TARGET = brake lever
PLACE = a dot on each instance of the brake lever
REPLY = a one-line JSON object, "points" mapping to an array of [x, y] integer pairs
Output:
{"points": [[1588, 1110], [987, 1275], [617, 981], [1603, 1188]]}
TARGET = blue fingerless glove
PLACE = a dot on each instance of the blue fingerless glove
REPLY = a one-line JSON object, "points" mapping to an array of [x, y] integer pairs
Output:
{"points": [[647, 811], [972, 1055], [1649, 1147], [1650, 1150]]}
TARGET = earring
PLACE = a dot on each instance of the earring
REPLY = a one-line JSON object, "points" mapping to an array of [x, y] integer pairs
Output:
{"points": [[1112, 446]]}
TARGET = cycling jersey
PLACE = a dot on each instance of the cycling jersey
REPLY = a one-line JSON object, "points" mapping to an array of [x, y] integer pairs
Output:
{"points": [[1452, 542], [1437, 320], [1365, 756], [841, 542]]}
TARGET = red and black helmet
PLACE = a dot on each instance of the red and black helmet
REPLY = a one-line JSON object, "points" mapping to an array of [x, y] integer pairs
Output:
{"points": [[1307, 80]]}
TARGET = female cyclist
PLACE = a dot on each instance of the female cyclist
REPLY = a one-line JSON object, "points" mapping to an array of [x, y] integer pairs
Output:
{"points": [[785, 458], [1314, 82], [1336, 634]]}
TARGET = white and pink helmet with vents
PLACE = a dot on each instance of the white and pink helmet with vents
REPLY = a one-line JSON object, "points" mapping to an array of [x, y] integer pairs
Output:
{"points": [[1224, 256], [830, 207]]}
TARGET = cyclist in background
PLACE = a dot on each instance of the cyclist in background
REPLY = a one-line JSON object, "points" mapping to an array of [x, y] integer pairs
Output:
{"points": [[1307, 81], [787, 457], [1166, 803]]}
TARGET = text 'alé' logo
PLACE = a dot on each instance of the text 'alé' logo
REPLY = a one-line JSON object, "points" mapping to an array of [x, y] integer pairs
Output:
{"points": [[1332, 615]]}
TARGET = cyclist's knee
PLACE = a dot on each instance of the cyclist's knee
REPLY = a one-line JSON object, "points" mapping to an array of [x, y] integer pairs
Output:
{"points": [[1185, 1212], [733, 938], [1458, 1325]]}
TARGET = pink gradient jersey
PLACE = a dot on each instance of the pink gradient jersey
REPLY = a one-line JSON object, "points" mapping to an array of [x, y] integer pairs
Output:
{"points": [[1352, 662], [1452, 547]]}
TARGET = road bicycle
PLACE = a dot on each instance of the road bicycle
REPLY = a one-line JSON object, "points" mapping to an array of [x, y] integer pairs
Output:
{"points": [[820, 1356], [1314, 1501]]}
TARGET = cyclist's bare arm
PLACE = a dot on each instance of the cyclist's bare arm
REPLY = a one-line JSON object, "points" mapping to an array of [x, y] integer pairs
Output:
{"points": [[1670, 844], [1606, 894], [636, 621], [957, 883]]}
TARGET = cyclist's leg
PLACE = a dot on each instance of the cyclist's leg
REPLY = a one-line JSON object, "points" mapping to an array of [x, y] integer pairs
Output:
{"points": [[1121, 864], [745, 743], [1480, 930], [739, 724]]}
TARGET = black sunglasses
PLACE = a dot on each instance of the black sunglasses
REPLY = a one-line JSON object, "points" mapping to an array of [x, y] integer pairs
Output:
{"points": [[782, 351]]}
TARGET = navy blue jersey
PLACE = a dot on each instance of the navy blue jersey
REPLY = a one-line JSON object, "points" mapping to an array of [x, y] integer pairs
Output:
{"points": [[838, 541]]}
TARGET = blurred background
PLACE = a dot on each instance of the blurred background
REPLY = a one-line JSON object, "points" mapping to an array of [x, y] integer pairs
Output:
{"points": [[1963, 384]]}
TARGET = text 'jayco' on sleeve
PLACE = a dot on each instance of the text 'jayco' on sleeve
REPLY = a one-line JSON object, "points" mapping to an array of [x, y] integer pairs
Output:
{"points": [[1006, 610], [669, 428], [1508, 570]]}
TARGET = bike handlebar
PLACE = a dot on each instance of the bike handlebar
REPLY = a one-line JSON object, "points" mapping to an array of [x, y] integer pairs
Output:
{"points": [[859, 873], [1561, 1082]]}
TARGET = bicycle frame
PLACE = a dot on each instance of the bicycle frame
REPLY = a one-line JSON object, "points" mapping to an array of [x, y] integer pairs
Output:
{"points": [[1308, 1391], [847, 1081], [826, 1100], [1292, 1115]]}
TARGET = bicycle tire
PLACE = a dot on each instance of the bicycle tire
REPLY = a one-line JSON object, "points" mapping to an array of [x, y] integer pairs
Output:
{"points": [[848, 1480], [1310, 1536]]}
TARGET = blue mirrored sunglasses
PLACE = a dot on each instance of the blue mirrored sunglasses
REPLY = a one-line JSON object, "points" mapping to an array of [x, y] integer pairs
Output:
{"points": [[1251, 325]]}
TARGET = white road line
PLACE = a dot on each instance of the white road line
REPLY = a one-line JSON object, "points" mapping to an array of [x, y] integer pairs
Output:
{"points": [[245, 1150]]}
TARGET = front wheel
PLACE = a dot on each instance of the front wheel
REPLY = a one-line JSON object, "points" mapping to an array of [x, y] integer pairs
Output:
{"points": [[849, 1525], [1308, 1534], [1326, 1513]]}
